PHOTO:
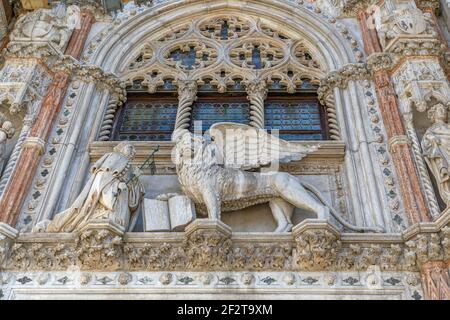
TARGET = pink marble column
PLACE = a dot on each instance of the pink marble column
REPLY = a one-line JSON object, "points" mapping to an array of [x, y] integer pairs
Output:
{"points": [[21, 178], [401, 152]]}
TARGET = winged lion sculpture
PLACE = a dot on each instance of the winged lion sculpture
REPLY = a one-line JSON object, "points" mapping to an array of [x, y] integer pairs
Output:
{"points": [[219, 174]]}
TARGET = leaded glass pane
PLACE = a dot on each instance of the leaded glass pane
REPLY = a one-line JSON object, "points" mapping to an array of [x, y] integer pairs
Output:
{"points": [[295, 120], [212, 112], [147, 121]]}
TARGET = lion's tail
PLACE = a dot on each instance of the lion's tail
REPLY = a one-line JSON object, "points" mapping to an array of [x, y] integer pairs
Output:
{"points": [[336, 215]]}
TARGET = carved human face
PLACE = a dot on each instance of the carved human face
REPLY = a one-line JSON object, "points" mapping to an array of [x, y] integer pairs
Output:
{"points": [[126, 149]]}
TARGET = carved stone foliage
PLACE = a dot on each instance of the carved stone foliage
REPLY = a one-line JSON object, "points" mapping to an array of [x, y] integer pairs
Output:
{"points": [[419, 80], [99, 249], [207, 250], [313, 246], [316, 249], [223, 52], [341, 77]]}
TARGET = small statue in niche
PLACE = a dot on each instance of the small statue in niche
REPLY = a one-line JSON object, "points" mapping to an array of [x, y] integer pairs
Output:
{"points": [[436, 149], [113, 192], [7, 131]]}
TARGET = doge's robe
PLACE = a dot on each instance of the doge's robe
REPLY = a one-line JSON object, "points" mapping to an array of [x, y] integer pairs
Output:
{"points": [[106, 195]]}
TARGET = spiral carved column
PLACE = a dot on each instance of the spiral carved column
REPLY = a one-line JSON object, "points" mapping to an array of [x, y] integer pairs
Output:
{"points": [[421, 166], [108, 120], [333, 125], [256, 94], [187, 94], [15, 154]]}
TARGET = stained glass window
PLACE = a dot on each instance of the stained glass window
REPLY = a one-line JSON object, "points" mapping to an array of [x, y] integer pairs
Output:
{"points": [[295, 119], [147, 120], [210, 111]]}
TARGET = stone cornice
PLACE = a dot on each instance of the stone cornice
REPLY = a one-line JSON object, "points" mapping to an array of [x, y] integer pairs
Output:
{"points": [[51, 57], [313, 245], [92, 74]]}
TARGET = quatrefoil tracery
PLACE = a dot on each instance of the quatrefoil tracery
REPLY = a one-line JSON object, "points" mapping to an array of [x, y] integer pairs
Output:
{"points": [[223, 53]]}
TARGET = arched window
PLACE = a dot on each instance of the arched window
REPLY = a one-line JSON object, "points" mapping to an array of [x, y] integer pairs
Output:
{"points": [[225, 58]]}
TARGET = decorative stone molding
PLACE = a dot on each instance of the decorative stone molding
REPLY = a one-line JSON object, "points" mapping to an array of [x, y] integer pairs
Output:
{"points": [[428, 4], [381, 61], [7, 236], [398, 140], [340, 79], [99, 246], [208, 245], [45, 26], [317, 245], [34, 141], [115, 101], [268, 285], [407, 31]]}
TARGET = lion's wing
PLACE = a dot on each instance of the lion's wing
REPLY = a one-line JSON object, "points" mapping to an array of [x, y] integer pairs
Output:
{"points": [[245, 147]]}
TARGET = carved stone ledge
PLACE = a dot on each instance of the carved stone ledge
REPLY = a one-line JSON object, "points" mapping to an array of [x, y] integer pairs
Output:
{"points": [[329, 151], [99, 246], [314, 245], [428, 4], [405, 46]]}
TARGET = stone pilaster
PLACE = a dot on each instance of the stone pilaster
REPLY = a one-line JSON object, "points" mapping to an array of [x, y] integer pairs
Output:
{"points": [[21, 178], [402, 156]]}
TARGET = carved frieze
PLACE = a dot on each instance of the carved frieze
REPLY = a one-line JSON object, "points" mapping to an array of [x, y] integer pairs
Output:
{"points": [[209, 245]]}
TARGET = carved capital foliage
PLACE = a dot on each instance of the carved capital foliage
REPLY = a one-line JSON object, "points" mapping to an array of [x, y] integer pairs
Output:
{"points": [[208, 245], [316, 249], [314, 245], [381, 61], [341, 77]]}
